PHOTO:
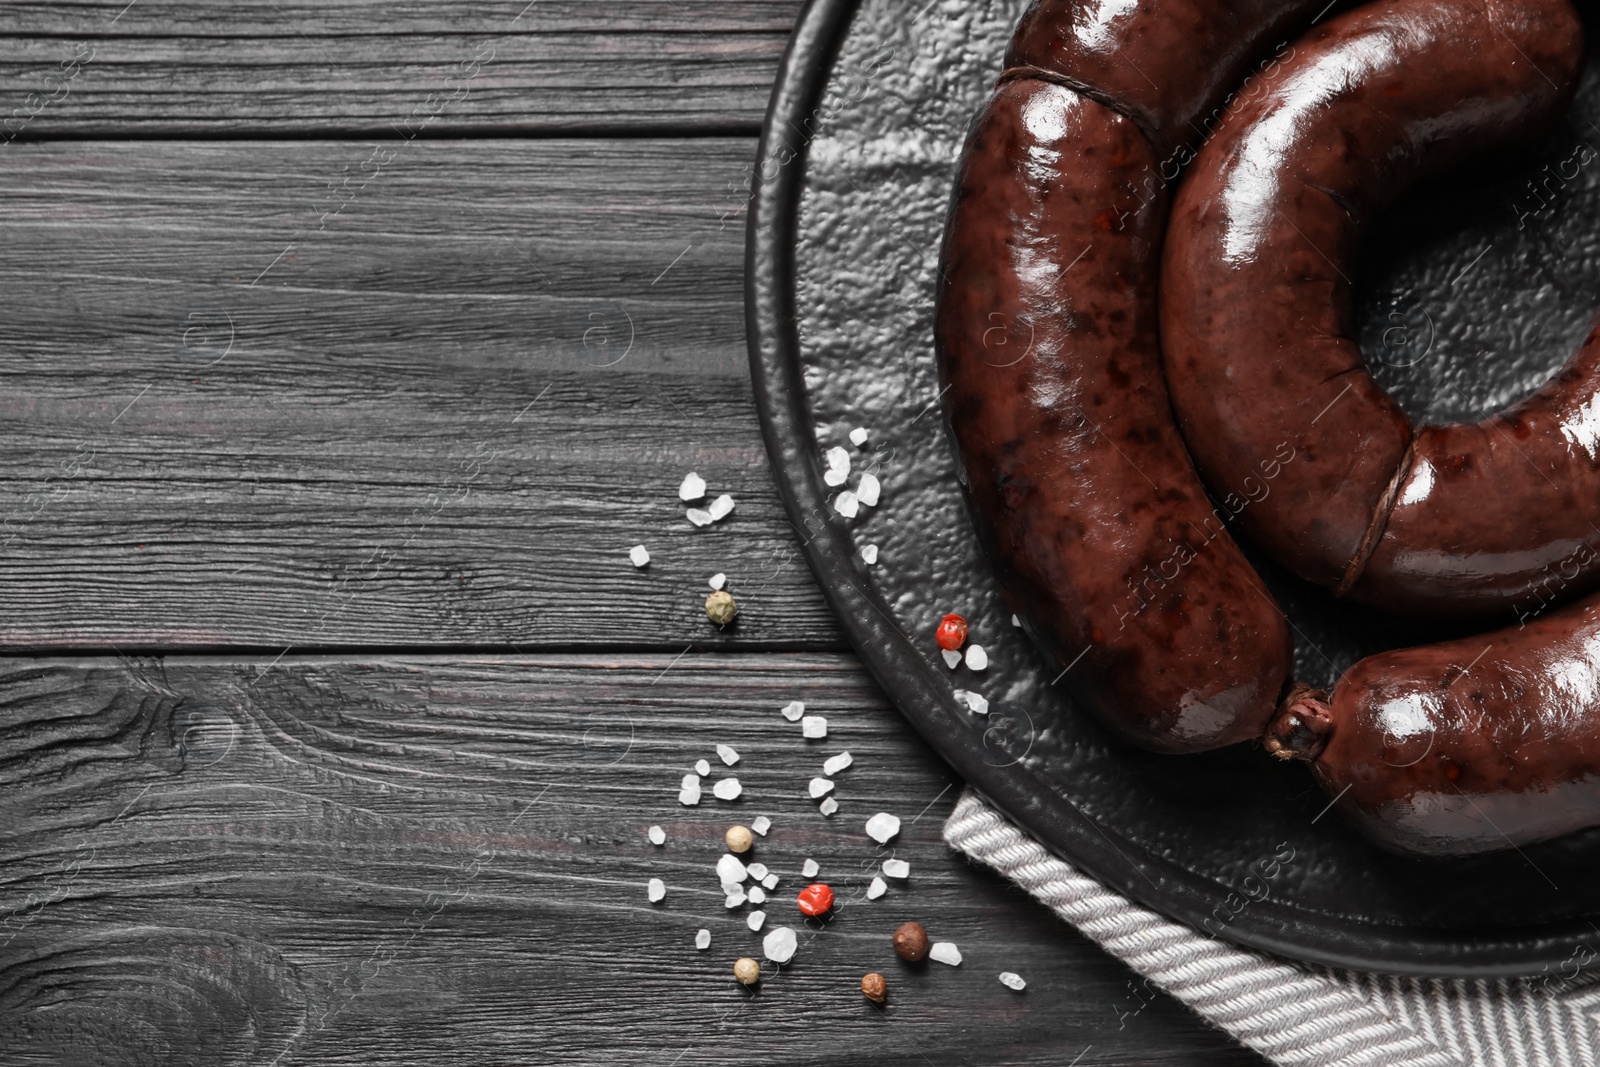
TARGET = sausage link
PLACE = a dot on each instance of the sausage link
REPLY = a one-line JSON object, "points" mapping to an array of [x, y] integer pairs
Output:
{"points": [[1093, 517], [1467, 746], [1256, 306]]}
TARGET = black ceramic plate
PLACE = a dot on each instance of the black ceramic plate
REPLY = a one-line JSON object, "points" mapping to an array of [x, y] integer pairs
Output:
{"points": [[1473, 293]]}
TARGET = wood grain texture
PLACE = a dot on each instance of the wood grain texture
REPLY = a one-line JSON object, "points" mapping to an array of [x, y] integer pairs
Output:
{"points": [[188, 68], [441, 416], [433, 861]]}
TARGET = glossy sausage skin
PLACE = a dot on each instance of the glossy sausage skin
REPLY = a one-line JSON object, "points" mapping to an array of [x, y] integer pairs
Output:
{"points": [[1256, 306], [1465, 746], [1093, 517]]}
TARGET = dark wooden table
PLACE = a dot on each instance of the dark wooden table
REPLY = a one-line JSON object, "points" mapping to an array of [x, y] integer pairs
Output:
{"points": [[348, 347]]}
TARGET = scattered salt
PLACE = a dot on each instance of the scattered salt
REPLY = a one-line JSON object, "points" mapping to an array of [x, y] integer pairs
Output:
{"points": [[877, 889], [820, 787], [770, 882], [810, 869], [640, 556], [702, 940], [658, 890], [793, 710], [718, 580], [758, 870], [869, 555], [977, 658], [727, 754], [952, 658], [897, 868], [858, 436], [757, 895], [846, 504], [731, 869], [761, 824], [733, 900], [882, 827], [698, 516], [1010, 979], [727, 789], [756, 919], [813, 726], [701, 767], [828, 806], [867, 490], [658, 836], [692, 489], [835, 764], [945, 952], [721, 508], [779, 945]]}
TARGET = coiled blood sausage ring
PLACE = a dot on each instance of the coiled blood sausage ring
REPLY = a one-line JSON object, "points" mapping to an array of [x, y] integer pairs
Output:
{"points": [[1062, 372]]}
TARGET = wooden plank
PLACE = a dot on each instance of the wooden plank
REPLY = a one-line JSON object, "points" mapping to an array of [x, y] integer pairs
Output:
{"points": [[439, 416], [435, 861], [175, 68]]}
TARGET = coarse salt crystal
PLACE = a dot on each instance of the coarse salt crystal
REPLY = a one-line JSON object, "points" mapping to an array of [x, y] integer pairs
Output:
{"points": [[718, 580], [692, 489], [758, 870], [793, 710], [779, 945], [867, 490], [828, 806], [973, 701], [689, 797], [945, 952], [730, 888], [813, 726], [1016, 622], [820, 787], [838, 459], [770, 882], [733, 900], [809, 869], [658, 890], [757, 895], [869, 555], [702, 940], [834, 478], [701, 767], [977, 658], [1012, 980], [731, 868], [858, 436], [846, 504], [882, 827], [727, 754], [639, 555], [761, 824], [952, 657], [727, 789], [689, 782], [897, 868], [877, 889], [835, 764], [698, 516], [721, 508], [756, 919], [658, 836]]}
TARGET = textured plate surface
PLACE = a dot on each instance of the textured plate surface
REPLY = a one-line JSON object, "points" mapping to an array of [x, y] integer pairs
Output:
{"points": [[1473, 292]]}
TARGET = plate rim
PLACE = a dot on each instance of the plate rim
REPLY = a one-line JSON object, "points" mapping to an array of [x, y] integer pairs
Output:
{"points": [[905, 675]]}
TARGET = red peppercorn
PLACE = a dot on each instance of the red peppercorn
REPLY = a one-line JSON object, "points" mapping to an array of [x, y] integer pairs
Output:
{"points": [[815, 899], [952, 632]]}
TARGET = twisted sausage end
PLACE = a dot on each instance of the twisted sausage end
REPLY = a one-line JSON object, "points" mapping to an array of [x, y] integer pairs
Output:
{"points": [[1301, 728]]}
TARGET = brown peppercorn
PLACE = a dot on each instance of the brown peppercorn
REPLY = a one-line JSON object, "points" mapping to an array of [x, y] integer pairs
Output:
{"points": [[911, 942], [720, 607], [874, 988], [747, 970], [739, 838]]}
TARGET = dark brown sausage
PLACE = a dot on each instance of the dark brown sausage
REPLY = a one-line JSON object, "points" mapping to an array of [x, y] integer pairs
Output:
{"points": [[1466, 746], [1256, 307]]}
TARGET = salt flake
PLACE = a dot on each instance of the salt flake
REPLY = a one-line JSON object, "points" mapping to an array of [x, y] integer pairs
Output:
{"points": [[834, 478], [702, 940], [689, 797], [756, 919], [758, 870], [793, 710], [810, 869], [779, 945], [698, 516], [1016, 622], [727, 789], [813, 726], [869, 555], [945, 952], [731, 868], [858, 436], [973, 701], [977, 658], [658, 836], [761, 824], [770, 882], [1011, 980], [882, 827], [721, 508], [702, 768], [867, 490], [757, 895], [727, 754], [820, 787], [689, 782], [828, 806], [639, 555], [877, 889], [658, 890], [692, 489], [952, 658], [733, 900], [846, 504], [718, 580], [835, 764], [897, 868], [838, 459]]}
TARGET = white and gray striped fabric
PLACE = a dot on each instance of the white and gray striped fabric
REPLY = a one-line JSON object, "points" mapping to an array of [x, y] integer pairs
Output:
{"points": [[1298, 1015]]}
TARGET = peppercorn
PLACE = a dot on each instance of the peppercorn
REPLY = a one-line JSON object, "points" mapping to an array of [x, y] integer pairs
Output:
{"points": [[952, 632], [815, 899], [747, 970], [720, 607], [739, 838], [911, 942], [874, 988]]}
